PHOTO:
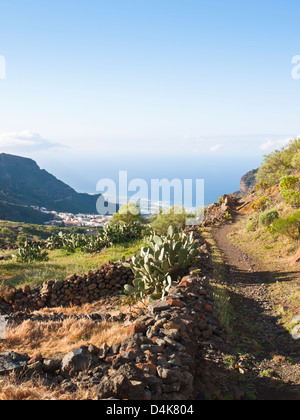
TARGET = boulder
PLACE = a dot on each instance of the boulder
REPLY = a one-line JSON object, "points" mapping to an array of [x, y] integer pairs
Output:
{"points": [[103, 351], [159, 306], [184, 380], [51, 365], [77, 361], [127, 384], [7, 293], [34, 369], [11, 362]]}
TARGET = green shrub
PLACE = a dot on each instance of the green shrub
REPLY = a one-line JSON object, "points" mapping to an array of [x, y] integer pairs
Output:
{"points": [[108, 236], [266, 219], [252, 224], [296, 161], [262, 186], [279, 163], [261, 204], [289, 182], [28, 253], [289, 226], [129, 213], [291, 197], [156, 266], [21, 238], [176, 217], [115, 234]]}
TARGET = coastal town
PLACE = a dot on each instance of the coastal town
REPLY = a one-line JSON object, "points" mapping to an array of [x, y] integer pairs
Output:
{"points": [[70, 219]]}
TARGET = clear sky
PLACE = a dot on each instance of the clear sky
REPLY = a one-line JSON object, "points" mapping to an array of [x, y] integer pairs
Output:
{"points": [[86, 80]]}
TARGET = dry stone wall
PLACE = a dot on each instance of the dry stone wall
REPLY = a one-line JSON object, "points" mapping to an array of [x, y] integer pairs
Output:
{"points": [[75, 290]]}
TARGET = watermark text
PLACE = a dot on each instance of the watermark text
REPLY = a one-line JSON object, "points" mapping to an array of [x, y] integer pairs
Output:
{"points": [[2, 68], [296, 68], [179, 195]]}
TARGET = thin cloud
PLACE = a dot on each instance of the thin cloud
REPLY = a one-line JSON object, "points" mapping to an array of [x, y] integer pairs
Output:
{"points": [[26, 140], [272, 144], [215, 148]]}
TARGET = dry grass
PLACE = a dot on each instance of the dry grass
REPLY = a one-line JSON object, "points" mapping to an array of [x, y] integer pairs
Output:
{"points": [[111, 305], [13, 389], [55, 339]]}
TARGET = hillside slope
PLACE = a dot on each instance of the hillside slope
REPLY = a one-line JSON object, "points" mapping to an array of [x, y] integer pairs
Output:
{"points": [[19, 213], [22, 182]]}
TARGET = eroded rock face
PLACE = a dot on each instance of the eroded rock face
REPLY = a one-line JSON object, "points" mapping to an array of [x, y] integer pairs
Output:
{"points": [[248, 182], [11, 362]]}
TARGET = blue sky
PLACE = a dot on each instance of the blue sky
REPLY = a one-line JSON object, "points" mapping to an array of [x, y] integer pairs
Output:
{"points": [[89, 80]]}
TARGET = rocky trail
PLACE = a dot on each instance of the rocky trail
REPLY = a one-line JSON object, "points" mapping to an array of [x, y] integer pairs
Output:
{"points": [[271, 367]]}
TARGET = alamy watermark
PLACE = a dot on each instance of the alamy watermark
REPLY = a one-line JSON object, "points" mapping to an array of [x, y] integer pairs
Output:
{"points": [[182, 195], [3, 323], [2, 68], [296, 329], [296, 68]]}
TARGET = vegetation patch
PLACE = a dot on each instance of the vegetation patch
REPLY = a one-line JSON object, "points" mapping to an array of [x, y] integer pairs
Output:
{"points": [[266, 219], [161, 262], [61, 264], [279, 164], [288, 226]]}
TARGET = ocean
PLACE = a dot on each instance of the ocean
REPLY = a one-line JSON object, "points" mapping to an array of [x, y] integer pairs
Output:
{"points": [[221, 174]]}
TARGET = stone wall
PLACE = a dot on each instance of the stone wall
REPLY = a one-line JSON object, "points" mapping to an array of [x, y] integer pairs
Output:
{"points": [[75, 290]]}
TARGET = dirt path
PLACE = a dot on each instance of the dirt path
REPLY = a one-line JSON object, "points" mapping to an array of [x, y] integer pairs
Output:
{"points": [[273, 368]]}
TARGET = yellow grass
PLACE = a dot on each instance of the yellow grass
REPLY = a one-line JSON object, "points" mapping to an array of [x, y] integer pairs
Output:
{"points": [[55, 339], [13, 389]]}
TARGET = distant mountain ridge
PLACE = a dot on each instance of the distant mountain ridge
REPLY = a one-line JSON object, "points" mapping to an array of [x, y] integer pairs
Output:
{"points": [[22, 182]]}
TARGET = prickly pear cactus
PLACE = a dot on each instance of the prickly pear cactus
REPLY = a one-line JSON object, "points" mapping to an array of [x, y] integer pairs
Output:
{"points": [[159, 264]]}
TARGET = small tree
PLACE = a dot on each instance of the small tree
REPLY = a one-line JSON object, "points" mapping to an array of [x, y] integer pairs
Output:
{"points": [[129, 213], [176, 217]]}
